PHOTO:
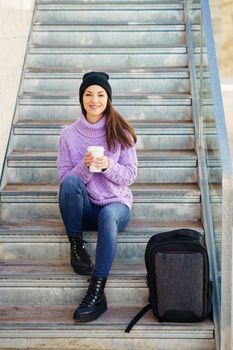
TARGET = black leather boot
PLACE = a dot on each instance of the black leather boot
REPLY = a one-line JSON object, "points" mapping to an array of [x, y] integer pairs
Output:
{"points": [[94, 303], [80, 259]]}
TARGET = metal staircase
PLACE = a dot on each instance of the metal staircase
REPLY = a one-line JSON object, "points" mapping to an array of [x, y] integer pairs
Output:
{"points": [[145, 48]]}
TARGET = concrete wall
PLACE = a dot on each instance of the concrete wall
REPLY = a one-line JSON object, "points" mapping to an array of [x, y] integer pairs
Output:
{"points": [[15, 21], [216, 15], [226, 59], [222, 20]]}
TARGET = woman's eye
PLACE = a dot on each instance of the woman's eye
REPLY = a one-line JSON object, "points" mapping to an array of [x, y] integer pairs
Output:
{"points": [[89, 95]]}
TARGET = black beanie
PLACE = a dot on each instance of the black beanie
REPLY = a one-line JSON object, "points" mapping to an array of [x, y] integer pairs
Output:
{"points": [[95, 78]]}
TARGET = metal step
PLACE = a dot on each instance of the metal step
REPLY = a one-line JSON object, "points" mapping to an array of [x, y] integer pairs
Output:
{"points": [[111, 57], [135, 98], [145, 80], [37, 244], [119, 34], [105, 2], [168, 135], [156, 107], [108, 57], [154, 166], [160, 166], [35, 239], [110, 12], [52, 282], [157, 201], [44, 327], [154, 192]]}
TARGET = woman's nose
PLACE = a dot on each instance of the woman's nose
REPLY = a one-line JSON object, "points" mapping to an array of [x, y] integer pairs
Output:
{"points": [[94, 98]]}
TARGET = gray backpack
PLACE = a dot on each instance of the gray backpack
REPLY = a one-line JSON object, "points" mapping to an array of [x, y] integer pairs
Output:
{"points": [[178, 277]]}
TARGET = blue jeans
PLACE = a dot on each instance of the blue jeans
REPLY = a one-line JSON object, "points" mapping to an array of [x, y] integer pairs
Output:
{"points": [[78, 214]]}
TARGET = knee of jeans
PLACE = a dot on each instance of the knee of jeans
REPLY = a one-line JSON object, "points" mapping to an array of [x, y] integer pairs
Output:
{"points": [[70, 182], [106, 213]]}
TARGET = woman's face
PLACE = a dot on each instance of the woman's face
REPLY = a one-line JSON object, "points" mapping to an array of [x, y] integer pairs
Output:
{"points": [[95, 100]]}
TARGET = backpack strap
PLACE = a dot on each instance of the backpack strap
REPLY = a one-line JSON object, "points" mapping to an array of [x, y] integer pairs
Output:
{"points": [[137, 317]]}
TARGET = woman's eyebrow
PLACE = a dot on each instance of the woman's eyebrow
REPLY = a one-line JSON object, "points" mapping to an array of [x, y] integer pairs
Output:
{"points": [[98, 92]]}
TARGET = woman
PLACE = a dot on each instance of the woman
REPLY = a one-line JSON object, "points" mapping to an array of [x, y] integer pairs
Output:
{"points": [[102, 200]]}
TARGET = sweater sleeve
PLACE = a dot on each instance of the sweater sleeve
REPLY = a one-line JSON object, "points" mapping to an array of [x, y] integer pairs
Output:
{"points": [[65, 165], [124, 171]]}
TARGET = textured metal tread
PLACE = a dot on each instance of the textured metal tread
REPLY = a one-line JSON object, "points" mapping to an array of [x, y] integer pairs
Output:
{"points": [[151, 159], [142, 192], [153, 188], [57, 322], [136, 95], [141, 154], [140, 4], [57, 98], [142, 127], [62, 123], [112, 27], [59, 274], [52, 230], [141, 73], [143, 49], [55, 225]]}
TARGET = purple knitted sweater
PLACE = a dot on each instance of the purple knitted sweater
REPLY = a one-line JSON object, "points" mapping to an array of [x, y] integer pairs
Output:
{"points": [[110, 185]]}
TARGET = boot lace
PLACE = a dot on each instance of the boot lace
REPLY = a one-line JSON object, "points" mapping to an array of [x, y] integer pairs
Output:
{"points": [[79, 250], [92, 294]]}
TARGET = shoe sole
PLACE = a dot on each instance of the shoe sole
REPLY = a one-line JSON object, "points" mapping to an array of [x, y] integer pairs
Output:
{"points": [[92, 317]]}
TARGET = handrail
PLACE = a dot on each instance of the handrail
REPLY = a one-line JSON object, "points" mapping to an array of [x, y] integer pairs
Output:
{"points": [[201, 122], [227, 187], [225, 156], [197, 93], [223, 318], [193, 81]]}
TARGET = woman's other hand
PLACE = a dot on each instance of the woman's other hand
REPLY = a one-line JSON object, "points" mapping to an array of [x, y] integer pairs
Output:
{"points": [[101, 162]]}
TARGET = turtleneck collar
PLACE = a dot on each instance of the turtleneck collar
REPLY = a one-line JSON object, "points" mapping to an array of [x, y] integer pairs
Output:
{"points": [[91, 130]]}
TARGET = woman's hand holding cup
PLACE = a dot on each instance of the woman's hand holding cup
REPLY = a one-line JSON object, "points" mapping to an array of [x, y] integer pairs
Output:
{"points": [[95, 159], [88, 159]]}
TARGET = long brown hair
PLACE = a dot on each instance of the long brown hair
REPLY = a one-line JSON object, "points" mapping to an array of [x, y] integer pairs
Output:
{"points": [[117, 128]]}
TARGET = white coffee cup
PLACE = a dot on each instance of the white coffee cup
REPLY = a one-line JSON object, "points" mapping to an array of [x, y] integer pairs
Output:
{"points": [[97, 151]]}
